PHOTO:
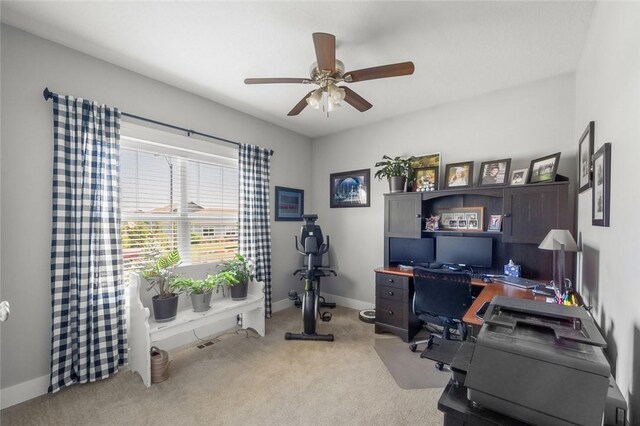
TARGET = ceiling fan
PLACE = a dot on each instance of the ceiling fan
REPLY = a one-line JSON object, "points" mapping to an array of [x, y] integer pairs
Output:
{"points": [[328, 71]]}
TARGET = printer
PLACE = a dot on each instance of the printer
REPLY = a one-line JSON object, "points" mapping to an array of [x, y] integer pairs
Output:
{"points": [[539, 363]]}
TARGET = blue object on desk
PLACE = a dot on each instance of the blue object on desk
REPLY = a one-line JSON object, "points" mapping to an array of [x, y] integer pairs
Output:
{"points": [[511, 269]]}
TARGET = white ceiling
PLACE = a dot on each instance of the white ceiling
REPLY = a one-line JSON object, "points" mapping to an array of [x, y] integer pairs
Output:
{"points": [[460, 49]]}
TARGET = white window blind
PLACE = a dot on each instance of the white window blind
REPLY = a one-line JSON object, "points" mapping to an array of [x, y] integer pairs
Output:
{"points": [[172, 202]]}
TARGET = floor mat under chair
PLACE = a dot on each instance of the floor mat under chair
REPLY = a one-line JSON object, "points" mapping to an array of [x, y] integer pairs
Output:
{"points": [[406, 367]]}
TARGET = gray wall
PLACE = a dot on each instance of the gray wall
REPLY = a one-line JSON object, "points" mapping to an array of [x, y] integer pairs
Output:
{"points": [[522, 123], [29, 64], [608, 92]]}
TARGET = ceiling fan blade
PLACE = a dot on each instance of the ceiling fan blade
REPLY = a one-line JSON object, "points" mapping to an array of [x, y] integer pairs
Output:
{"points": [[276, 80], [325, 45], [355, 100], [300, 105], [383, 71]]}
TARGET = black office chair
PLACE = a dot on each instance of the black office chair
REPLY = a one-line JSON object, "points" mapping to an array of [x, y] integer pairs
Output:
{"points": [[441, 298]]}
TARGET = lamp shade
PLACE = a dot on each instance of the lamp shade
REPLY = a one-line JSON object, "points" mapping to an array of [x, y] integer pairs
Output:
{"points": [[556, 238]]}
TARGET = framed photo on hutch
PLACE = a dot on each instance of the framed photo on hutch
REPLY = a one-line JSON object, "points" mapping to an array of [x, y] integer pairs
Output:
{"points": [[544, 169], [289, 203], [350, 189], [519, 177], [585, 153], [458, 175], [601, 196], [425, 179], [425, 164], [493, 173]]}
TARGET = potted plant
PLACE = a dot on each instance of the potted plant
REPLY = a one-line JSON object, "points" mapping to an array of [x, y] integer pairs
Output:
{"points": [[199, 290], [160, 275], [235, 274], [396, 170]]}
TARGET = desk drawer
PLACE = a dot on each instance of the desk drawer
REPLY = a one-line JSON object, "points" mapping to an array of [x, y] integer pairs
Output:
{"points": [[389, 293], [389, 312], [391, 280]]}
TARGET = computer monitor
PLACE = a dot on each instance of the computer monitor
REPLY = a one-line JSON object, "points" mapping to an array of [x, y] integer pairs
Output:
{"points": [[465, 251], [409, 251]]}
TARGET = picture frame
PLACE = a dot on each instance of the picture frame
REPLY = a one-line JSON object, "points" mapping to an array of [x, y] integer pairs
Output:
{"points": [[350, 189], [544, 169], [519, 177], [601, 195], [585, 155], [462, 219], [494, 173], [458, 175], [495, 223], [423, 161], [289, 204], [425, 179]]}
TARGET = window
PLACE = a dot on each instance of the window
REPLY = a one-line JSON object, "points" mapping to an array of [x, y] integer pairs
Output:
{"points": [[176, 198]]}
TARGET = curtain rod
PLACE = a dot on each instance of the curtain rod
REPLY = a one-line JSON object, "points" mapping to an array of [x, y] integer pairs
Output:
{"points": [[47, 94]]}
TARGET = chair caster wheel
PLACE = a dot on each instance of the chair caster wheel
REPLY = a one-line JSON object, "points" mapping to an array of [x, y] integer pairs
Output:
{"points": [[439, 366], [413, 347]]}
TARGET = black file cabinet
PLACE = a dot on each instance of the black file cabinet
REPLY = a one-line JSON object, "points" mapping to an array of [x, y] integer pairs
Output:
{"points": [[394, 295]]}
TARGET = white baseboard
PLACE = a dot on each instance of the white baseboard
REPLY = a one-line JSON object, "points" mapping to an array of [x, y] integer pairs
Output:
{"points": [[281, 304], [339, 300], [348, 303], [24, 391]]}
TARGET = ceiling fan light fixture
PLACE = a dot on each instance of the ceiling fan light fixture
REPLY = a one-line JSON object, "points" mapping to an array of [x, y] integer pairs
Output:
{"points": [[315, 99], [332, 105], [336, 94]]}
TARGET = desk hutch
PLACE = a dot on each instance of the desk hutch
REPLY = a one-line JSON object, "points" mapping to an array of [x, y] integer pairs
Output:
{"points": [[528, 213]]}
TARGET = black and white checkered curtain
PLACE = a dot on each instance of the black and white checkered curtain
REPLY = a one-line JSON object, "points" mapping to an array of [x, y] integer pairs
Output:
{"points": [[255, 228], [87, 294]]}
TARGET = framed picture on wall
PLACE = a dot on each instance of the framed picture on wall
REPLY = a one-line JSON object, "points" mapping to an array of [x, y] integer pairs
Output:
{"points": [[585, 153], [494, 172], [289, 203], [601, 196], [544, 169], [350, 189]]}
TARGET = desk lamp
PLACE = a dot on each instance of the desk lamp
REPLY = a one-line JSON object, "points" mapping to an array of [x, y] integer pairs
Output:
{"points": [[559, 240]]}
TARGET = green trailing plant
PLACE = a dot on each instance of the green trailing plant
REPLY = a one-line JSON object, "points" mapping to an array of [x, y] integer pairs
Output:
{"points": [[237, 270], [160, 272], [396, 166], [232, 272], [192, 286]]}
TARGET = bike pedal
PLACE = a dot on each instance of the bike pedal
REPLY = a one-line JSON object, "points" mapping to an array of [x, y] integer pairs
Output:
{"points": [[326, 316], [293, 295]]}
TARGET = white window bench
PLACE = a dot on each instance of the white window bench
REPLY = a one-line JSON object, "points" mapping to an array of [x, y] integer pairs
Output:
{"points": [[145, 332]]}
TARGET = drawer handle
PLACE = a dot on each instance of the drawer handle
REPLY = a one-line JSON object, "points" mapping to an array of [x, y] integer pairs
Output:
{"points": [[390, 280], [390, 293], [390, 312]]}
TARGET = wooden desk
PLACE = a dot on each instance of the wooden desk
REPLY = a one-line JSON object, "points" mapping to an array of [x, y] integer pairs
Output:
{"points": [[495, 289], [404, 323]]}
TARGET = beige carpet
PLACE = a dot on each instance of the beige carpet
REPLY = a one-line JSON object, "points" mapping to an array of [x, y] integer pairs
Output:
{"points": [[247, 381]]}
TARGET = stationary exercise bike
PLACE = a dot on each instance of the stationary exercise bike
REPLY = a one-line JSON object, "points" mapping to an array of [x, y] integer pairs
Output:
{"points": [[313, 249]]}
